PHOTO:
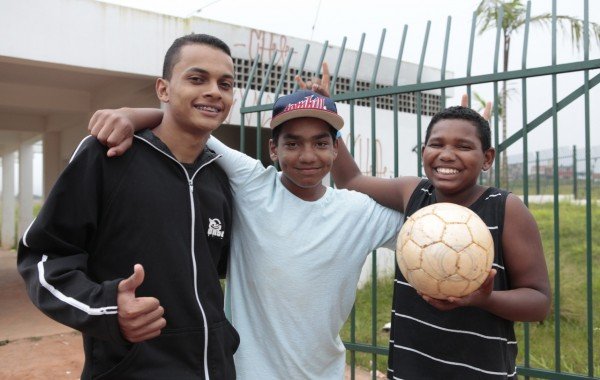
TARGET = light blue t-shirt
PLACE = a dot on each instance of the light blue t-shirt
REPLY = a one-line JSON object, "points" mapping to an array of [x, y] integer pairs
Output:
{"points": [[294, 268]]}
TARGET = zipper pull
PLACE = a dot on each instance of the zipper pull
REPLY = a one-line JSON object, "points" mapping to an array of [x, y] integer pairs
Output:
{"points": [[191, 184]]}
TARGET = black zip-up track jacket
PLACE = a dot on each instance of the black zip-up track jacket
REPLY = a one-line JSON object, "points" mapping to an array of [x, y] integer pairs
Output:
{"points": [[106, 214]]}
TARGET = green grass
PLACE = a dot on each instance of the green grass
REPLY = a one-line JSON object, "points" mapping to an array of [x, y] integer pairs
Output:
{"points": [[572, 302], [37, 205], [565, 187]]}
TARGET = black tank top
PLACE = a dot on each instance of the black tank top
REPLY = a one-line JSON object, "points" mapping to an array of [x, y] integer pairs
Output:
{"points": [[464, 343]]}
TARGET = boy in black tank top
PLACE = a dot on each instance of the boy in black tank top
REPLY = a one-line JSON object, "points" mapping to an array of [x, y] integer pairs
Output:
{"points": [[470, 337]]}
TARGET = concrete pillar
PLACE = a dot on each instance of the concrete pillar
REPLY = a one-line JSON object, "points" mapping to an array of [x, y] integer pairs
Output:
{"points": [[52, 164], [8, 200], [25, 187]]}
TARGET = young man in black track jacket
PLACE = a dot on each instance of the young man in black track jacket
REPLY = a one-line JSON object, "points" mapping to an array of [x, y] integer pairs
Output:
{"points": [[128, 250]]}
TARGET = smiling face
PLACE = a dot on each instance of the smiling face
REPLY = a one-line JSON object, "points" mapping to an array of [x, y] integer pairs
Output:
{"points": [[199, 93], [453, 156], [305, 150]]}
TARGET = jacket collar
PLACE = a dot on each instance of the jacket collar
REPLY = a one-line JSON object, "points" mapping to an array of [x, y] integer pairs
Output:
{"points": [[206, 155]]}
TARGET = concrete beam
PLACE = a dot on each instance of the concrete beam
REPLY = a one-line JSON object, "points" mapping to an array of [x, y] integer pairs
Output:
{"points": [[44, 99], [20, 122], [140, 93], [61, 122]]}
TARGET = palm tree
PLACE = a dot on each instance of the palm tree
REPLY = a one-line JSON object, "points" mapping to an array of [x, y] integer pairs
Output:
{"points": [[514, 17]]}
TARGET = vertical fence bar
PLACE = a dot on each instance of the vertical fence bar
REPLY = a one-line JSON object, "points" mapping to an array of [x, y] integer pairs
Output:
{"points": [[353, 89], [351, 141], [302, 63], [537, 172], [284, 73], [496, 109], [525, 151], [444, 60], [470, 57], [418, 99], [337, 68], [470, 61], [574, 171], [353, 340], [588, 194], [244, 97], [557, 350], [266, 76], [353, 311], [374, 173], [396, 76], [322, 57], [332, 82]]}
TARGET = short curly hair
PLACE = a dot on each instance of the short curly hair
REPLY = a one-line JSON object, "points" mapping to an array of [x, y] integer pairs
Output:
{"points": [[464, 113]]}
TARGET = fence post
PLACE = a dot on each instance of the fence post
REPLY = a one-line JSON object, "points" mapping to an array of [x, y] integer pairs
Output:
{"points": [[574, 171], [537, 172]]}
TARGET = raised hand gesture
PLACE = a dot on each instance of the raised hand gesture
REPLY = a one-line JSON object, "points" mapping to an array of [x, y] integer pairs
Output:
{"points": [[320, 86]]}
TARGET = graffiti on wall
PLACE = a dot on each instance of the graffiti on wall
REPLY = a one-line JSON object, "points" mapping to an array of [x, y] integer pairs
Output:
{"points": [[363, 156], [266, 44]]}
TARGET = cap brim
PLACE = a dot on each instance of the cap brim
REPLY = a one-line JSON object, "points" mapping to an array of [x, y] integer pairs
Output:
{"points": [[332, 118]]}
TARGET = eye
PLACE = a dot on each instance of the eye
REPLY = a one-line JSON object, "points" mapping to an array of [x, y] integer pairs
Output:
{"points": [[322, 144], [291, 145], [195, 79], [226, 85]]}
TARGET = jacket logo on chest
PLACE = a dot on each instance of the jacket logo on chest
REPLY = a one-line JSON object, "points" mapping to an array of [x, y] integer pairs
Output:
{"points": [[214, 228]]}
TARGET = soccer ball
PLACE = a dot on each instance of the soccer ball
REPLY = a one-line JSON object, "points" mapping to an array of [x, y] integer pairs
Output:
{"points": [[445, 250]]}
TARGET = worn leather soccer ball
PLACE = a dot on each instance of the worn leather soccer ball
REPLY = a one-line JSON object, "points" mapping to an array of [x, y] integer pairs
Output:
{"points": [[445, 250]]}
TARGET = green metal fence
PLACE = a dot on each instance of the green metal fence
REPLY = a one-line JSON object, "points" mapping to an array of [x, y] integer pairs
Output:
{"points": [[561, 362]]}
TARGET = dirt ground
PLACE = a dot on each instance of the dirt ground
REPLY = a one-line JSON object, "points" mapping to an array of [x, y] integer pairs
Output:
{"points": [[34, 347]]}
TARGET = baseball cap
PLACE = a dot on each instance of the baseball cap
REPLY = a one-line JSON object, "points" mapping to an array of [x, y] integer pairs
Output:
{"points": [[305, 103]]}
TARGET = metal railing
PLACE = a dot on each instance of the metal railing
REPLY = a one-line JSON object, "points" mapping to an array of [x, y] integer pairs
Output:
{"points": [[528, 367]]}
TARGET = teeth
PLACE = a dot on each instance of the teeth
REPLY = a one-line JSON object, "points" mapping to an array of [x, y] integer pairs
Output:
{"points": [[447, 171], [207, 108]]}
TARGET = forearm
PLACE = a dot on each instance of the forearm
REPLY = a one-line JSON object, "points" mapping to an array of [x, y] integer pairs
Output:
{"points": [[344, 169], [385, 191], [61, 289], [143, 118], [523, 304]]}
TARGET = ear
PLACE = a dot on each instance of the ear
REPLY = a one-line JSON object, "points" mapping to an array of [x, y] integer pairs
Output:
{"points": [[335, 148], [488, 160], [162, 90], [273, 150]]}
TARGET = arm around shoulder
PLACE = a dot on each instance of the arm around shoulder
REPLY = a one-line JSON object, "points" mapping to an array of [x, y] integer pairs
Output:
{"points": [[389, 192]]}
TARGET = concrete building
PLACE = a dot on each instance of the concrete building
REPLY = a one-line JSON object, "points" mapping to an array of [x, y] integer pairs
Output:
{"points": [[60, 60]]}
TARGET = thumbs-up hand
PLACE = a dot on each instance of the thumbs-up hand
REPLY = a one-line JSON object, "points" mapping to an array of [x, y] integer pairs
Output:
{"points": [[139, 318]]}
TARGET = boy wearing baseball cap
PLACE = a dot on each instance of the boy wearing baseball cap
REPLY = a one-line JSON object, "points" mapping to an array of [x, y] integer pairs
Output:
{"points": [[298, 246]]}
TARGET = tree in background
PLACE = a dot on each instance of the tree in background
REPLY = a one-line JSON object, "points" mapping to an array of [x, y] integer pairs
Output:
{"points": [[514, 17]]}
